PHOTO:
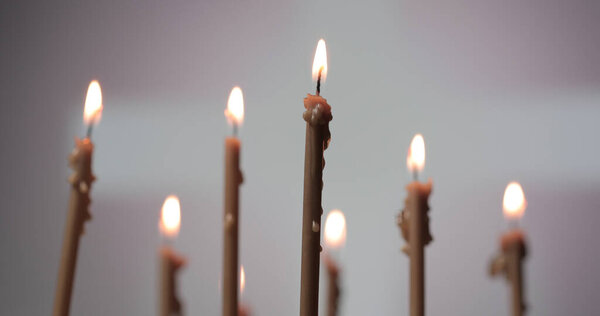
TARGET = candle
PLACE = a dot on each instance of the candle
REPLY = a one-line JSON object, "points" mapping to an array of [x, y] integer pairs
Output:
{"points": [[317, 117], [233, 179], [80, 160], [513, 248], [243, 310], [414, 225], [335, 237], [170, 261]]}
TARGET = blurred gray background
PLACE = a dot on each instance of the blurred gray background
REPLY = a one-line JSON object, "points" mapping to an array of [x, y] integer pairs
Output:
{"points": [[504, 90]]}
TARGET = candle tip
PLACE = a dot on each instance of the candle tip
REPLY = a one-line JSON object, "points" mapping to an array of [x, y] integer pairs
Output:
{"points": [[235, 108], [335, 229], [514, 202], [170, 219], [92, 111], [415, 161]]}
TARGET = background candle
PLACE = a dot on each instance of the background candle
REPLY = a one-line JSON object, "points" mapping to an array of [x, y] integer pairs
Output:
{"points": [[170, 261], [317, 117], [244, 309], [81, 180], [513, 248], [335, 237], [233, 179], [414, 224]]}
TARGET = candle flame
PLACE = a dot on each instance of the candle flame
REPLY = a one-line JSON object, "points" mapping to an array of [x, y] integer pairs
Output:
{"points": [[92, 111], [242, 279], [514, 203], [335, 229], [170, 216], [416, 154], [235, 106], [320, 61]]}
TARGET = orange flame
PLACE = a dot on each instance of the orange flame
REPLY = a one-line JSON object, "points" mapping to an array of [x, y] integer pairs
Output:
{"points": [[242, 279], [335, 229], [416, 154], [235, 106], [170, 216], [514, 203], [320, 61], [92, 111]]}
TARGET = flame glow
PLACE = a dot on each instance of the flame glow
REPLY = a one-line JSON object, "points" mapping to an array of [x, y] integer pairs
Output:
{"points": [[514, 203], [92, 111], [242, 279], [415, 160], [320, 61], [335, 229], [170, 217], [235, 106]]}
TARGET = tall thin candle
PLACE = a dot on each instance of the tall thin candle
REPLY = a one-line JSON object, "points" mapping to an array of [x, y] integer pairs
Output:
{"points": [[513, 248], [317, 117], [414, 224], [335, 237], [170, 261], [80, 160], [233, 180]]}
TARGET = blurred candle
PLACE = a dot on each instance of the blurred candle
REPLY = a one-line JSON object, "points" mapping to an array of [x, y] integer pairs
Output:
{"points": [[513, 248], [244, 309], [233, 180], [414, 224], [80, 160], [335, 237], [170, 261], [317, 117]]}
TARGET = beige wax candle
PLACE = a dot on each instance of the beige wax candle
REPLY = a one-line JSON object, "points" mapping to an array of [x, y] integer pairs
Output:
{"points": [[335, 237], [81, 180], [233, 180], [414, 224], [513, 249], [169, 261], [317, 117]]}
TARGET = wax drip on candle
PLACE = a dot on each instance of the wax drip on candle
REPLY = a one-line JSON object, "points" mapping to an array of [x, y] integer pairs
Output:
{"points": [[93, 107]]}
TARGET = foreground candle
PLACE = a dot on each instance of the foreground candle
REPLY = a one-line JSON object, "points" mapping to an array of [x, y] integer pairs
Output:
{"points": [[81, 180], [233, 179], [335, 237], [513, 250], [170, 261], [317, 117], [414, 225]]}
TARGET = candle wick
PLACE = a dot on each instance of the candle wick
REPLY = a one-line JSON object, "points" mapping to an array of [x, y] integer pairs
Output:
{"points": [[415, 175], [88, 134], [235, 129], [319, 81]]}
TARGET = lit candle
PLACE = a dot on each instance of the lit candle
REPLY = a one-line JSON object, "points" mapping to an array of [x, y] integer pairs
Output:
{"points": [[335, 237], [512, 245], [414, 225], [233, 180], [317, 117], [244, 309], [170, 261], [80, 160]]}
